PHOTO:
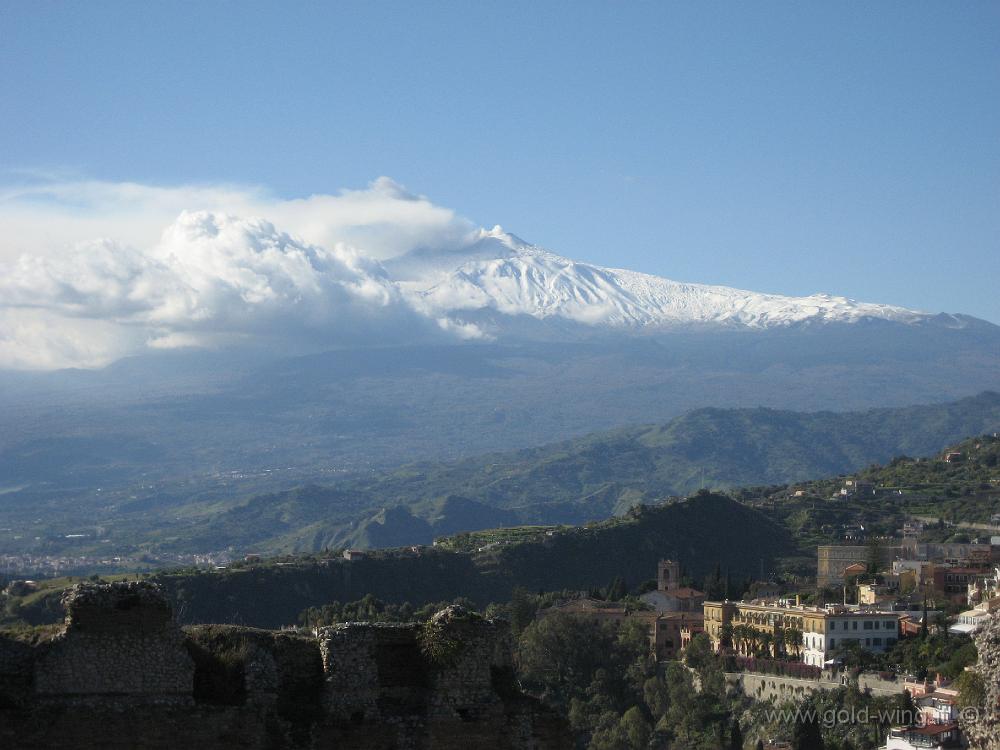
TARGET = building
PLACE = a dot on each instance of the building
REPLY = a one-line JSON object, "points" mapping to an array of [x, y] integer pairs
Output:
{"points": [[972, 620], [811, 633], [876, 594], [730, 624], [967, 554], [938, 707], [672, 632], [832, 560], [953, 582], [856, 487], [831, 628], [670, 596], [852, 571], [931, 737]]}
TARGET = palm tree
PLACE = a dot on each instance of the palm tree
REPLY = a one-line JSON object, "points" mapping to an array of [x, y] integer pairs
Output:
{"points": [[792, 639]]}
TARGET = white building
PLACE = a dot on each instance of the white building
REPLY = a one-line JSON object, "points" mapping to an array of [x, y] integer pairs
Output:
{"points": [[939, 707], [930, 737], [872, 630], [971, 620]]}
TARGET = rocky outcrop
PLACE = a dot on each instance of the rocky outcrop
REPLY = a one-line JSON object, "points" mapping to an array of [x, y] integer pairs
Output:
{"points": [[980, 718], [122, 674]]}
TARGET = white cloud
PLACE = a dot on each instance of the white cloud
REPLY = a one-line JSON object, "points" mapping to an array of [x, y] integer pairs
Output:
{"points": [[383, 220], [215, 276]]}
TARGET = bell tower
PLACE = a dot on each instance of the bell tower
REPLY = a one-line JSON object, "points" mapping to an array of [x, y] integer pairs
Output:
{"points": [[668, 575]]}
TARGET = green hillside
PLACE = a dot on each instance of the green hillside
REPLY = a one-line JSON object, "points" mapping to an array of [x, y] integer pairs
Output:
{"points": [[599, 475], [571, 482], [955, 499]]}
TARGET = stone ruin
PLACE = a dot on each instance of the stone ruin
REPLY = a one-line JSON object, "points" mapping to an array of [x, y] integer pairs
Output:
{"points": [[122, 674], [120, 640]]}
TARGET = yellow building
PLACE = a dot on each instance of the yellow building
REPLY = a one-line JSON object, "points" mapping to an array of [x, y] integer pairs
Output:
{"points": [[812, 633], [750, 627], [874, 593]]}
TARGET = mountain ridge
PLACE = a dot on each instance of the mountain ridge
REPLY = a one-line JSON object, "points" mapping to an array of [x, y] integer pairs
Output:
{"points": [[528, 280], [599, 475]]}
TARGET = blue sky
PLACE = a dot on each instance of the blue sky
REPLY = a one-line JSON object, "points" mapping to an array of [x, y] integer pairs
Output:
{"points": [[787, 147]]}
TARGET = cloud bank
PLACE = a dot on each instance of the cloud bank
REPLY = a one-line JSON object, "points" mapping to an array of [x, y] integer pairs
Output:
{"points": [[89, 275]]}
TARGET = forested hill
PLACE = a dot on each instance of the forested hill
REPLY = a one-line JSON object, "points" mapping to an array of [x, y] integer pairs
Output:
{"points": [[595, 476], [702, 532], [707, 447], [572, 482]]}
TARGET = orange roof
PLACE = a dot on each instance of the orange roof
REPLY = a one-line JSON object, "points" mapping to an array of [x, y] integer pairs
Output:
{"points": [[685, 592]]}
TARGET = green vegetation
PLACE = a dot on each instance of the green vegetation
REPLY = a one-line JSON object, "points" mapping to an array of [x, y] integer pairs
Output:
{"points": [[371, 609], [944, 654], [942, 493]]}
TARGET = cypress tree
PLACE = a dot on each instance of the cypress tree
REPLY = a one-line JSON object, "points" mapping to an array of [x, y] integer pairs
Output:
{"points": [[736, 737]]}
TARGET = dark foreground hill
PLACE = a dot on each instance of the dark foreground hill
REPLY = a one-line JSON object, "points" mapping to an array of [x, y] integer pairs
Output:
{"points": [[702, 532]]}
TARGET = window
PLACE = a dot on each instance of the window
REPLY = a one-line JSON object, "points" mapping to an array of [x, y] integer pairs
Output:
{"points": [[889, 625], [876, 641], [855, 624], [833, 624], [868, 641], [833, 643], [868, 624]]}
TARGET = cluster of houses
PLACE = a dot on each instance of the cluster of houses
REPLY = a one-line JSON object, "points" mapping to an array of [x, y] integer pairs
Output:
{"points": [[815, 635]]}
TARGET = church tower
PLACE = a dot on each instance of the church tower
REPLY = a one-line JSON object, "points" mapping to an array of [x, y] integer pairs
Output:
{"points": [[669, 575]]}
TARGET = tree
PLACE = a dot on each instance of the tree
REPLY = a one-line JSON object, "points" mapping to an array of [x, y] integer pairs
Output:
{"points": [[736, 737], [656, 697], [792, 640], [617, 590], [906, 708], [559, 654], [699, 653], [636, 728], [807, 734], [876, 558], [522, 610]]}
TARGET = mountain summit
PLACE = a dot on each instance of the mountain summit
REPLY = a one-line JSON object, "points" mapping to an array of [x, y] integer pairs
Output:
{"points": [[498, 278]]}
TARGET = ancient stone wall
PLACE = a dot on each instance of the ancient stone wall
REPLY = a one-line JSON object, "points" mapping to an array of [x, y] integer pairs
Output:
{"points": [[119, 640], [782, 688], [122, 674]]}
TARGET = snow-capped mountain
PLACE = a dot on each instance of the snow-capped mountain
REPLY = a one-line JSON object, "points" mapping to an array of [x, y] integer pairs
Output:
{"points": [[499, 276]]}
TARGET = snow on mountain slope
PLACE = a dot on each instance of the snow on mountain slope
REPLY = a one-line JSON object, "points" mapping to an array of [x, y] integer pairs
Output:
{"points": [[501, 274]]}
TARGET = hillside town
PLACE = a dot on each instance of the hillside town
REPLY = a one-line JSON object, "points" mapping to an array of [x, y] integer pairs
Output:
{"points": [[886, 595]]}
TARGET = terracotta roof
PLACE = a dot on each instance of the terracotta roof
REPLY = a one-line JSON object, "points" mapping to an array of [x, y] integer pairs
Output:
{"points": [[685, 592]]}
